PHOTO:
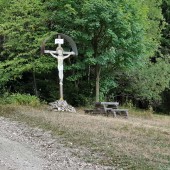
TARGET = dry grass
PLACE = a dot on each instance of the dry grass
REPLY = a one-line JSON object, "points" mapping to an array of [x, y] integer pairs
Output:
{"points": [[134, 143]]}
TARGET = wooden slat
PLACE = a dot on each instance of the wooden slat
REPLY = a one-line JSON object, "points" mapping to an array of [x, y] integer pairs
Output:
{"points": [[110, 103]]}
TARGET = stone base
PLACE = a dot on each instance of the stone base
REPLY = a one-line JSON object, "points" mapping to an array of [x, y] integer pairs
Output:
{"points": [[61, 105]]}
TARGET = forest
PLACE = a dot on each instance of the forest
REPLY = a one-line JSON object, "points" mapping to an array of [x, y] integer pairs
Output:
{"points": [[123, 46]]}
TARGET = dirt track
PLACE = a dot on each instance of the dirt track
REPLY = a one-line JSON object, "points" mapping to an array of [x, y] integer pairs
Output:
{"points": [[25, 148]]}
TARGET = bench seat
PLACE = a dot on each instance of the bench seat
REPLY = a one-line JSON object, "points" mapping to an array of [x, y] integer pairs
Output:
{"points": [[89, 110]]}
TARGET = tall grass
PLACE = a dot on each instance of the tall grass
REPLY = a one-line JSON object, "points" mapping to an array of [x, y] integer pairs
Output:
{"points": [[20, 99]]}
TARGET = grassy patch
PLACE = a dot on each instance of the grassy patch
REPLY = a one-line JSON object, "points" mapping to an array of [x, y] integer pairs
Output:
{"points": [[134, 143], [20, 99]]}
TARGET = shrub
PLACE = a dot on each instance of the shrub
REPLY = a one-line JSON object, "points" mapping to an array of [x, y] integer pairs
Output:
{"points": [[21, 99]]}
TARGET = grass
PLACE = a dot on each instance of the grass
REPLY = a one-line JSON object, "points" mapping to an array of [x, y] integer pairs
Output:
{"points": [[140, 142]]}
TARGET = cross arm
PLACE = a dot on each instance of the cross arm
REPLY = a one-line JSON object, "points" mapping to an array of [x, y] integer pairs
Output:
{"points": [[55, 52]]}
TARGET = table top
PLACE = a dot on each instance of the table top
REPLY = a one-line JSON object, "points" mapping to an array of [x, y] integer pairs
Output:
{"points": [[110, 103]]}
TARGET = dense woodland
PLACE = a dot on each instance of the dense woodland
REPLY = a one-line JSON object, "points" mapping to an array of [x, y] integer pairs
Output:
{"points": [[124, 50]]}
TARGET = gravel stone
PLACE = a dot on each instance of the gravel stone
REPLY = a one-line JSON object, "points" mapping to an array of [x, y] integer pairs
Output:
{"points": [[26, 148]]}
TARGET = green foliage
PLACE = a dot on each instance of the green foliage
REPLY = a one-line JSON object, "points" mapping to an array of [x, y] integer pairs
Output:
{"points": [[111, 34], [106, 85], [23, 29], [20, 99], [146, 83], [165, 107], [165, 43], [115, 40], [156, 23], [164, 52]]}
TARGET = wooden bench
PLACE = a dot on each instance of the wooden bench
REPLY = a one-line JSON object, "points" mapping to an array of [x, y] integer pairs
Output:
{"points": [[106, 108], [109, 106], [98, 109]]}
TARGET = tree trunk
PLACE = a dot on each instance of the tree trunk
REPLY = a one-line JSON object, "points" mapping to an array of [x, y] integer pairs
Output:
{"points": [[35, 83], [98, 69]]}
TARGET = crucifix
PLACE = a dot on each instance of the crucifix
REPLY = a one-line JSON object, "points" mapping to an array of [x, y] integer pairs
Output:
{"points": [[60, 55]]}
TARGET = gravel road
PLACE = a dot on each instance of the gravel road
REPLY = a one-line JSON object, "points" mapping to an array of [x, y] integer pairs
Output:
{"points": [[26, 148]]}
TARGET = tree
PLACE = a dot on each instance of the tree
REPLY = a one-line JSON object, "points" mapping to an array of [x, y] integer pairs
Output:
{"points": [[146, 83], [165, 51], [109, 34], [22, 27], [112, 37], [165, 43]]}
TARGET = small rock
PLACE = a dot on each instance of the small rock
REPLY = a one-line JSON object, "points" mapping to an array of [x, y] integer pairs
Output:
{"points": [[61, 105]]}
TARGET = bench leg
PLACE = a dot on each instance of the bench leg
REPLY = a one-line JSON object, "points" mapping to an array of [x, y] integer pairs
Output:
{"points": [[114, 113], [126, 114]]}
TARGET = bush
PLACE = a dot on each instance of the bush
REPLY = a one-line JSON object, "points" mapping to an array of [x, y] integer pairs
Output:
{"points": [[20, 99]]}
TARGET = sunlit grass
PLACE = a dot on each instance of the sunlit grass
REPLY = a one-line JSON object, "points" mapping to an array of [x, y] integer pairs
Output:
{"points": [[140, 142]]}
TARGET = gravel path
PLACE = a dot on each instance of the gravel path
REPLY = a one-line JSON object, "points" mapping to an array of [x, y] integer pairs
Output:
{"points": [[25, 148]]}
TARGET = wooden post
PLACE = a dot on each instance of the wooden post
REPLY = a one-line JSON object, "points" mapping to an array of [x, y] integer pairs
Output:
{"points": [[98, 69], [61, 91], [61, 81]]}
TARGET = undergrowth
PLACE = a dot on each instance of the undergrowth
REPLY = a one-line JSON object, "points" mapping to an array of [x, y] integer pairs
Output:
{"points": [[20, 99]]}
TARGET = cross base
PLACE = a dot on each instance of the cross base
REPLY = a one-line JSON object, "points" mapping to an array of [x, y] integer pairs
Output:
{"points": [[61, 106]]}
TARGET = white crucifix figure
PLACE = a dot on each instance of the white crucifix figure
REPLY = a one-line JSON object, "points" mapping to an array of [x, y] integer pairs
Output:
{"points": [[60, 55]]}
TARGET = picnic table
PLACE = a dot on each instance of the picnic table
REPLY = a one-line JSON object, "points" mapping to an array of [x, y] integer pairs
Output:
{"points": [[107, 108]]}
